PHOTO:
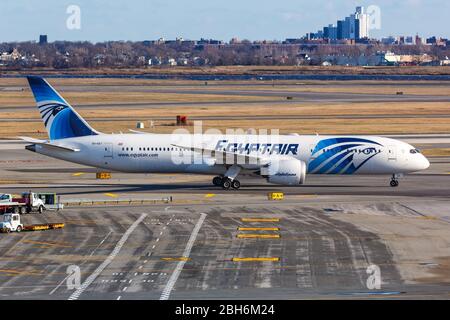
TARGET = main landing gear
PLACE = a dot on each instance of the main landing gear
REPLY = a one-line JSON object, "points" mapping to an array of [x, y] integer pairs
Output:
{"points": [[226, 183], [394, 182]]}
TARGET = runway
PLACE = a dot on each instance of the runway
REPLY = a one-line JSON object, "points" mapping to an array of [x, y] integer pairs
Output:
{"points": [[270, 97], [321, 238]]}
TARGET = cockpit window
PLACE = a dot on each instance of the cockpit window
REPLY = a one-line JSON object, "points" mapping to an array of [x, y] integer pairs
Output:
{"points": [[414, 151]]}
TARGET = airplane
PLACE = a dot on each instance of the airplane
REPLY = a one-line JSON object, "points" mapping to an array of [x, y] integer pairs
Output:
{"points": [[280, 159]]}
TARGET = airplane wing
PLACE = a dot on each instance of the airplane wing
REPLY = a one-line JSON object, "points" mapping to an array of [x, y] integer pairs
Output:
{"points": [[49, 144], [227, 158], [136, 131]]}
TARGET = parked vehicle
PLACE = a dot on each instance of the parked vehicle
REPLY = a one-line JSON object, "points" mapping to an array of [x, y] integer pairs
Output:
{"points": [[12, 223], [28, 202]]}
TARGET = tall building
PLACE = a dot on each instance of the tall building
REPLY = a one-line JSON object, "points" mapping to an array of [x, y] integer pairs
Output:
{"points": [[352, 21], [346, 28], [363, 22], [330, 32], [340, 26], [43, 39], [353, 27]]}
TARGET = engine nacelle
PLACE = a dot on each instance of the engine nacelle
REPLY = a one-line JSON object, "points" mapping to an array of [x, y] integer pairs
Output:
{"points": [[286, 172]]}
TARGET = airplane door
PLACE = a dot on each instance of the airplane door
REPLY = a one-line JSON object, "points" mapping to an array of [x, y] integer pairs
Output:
{"points": [[392, 153], [108, 150]]}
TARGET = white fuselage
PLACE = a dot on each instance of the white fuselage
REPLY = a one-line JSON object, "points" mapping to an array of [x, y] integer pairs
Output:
{"points": [[155, 153]]}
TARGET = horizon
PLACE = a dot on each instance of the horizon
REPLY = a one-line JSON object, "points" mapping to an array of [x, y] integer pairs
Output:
{"points": [[254, 21]]}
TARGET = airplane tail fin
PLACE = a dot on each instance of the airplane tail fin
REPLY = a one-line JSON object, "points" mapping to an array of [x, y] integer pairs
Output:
{"points": [[60, 119]]}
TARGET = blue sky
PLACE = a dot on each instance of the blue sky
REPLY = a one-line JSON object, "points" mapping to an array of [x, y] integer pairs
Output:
{"points": [[101, 20]]}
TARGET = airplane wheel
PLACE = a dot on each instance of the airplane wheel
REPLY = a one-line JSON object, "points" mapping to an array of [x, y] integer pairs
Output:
{"points": [[217, 181], [226, 184], [394, 183], [235, 184]]}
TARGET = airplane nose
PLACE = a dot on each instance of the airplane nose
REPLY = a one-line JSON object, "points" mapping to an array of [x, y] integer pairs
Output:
{"points": [[424, 163]]}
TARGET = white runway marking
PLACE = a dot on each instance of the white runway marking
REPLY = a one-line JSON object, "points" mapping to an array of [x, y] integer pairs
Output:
{"points": [[56, 288], [187, 251], [108, 260]]}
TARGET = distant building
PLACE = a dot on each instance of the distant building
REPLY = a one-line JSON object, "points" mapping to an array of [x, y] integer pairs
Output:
{"points": [[431, 40], [418, 40], [363, 23], [409, 40], [340, 31], [330, 32], [182, 61], [43, 39], [11, 56], [388, 40], [445, 62], [353, 27]]}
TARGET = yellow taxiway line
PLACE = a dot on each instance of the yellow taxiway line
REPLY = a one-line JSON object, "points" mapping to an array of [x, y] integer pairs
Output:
{"points": [[254, 259], [260, 219], [176, 259], [112, 195], [258, 236], [77, 174], [258, 229]]}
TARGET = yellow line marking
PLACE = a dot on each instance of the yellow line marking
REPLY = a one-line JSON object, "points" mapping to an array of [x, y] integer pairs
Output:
{"points": [[54, 244], [255, 236], [428, 218], [209, 195], [112, 195], [260, 219], [12, 272], [176, 259], [77, 174], [254, 259], [259, 229]]}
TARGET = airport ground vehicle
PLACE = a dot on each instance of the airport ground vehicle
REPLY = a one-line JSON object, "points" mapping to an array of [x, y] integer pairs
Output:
{"points": [[12, 223], [28, 202]]}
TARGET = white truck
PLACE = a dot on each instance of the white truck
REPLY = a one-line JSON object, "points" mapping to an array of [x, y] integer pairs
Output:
{"points": [[28, 202], [11, 223]]}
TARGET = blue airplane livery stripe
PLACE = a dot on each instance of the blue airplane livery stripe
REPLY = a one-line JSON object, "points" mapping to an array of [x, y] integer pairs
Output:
{"points": [[352, 169], [326, 155], [343, 164], [66, 124], [328, 142], [60, 120], [333, 162], [42, 91]]}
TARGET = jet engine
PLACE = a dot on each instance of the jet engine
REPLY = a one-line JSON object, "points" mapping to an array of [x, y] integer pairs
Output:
{"points": [[286, 172]]}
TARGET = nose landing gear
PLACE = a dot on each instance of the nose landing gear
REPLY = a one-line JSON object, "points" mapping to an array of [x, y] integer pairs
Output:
{"points": [[394, 182]]}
